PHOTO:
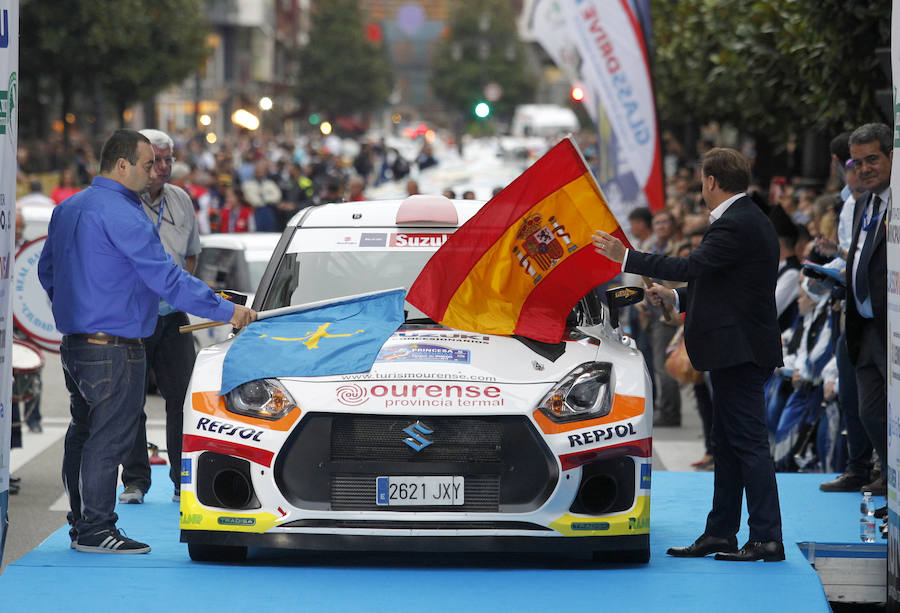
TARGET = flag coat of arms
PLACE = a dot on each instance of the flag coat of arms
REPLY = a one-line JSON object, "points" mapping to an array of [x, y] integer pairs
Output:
{"points": [[523, 261], [340, 337]]}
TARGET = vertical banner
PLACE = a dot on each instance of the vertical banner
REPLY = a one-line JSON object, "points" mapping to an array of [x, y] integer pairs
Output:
{"points": [[9, 104], [600, 45], [893, 330]]}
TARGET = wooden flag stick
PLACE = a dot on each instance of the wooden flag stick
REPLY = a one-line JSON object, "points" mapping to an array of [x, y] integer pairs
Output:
{"points": [[668, 311], [202, 326]]}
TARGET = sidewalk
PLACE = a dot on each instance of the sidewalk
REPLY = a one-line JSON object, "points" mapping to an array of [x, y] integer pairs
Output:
{"points": [[677, 448]]}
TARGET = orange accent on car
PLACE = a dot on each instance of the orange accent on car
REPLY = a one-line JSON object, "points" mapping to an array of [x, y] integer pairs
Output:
{"points": [[623, 408], [192, 442], [213, 404]]}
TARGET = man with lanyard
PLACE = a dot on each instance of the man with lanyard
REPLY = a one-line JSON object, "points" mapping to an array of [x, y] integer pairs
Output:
{"points": [[104, 270], [871, 152], [170, 354]]}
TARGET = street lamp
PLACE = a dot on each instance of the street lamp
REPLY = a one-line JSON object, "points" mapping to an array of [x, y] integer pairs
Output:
{"points": [[265, 103], [245, 119]]}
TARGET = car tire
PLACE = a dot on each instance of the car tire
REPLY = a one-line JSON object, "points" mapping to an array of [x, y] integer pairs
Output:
{"points": [[216, 553], [630, 556]]}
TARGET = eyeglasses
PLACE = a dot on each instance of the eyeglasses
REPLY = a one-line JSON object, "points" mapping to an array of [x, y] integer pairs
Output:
{"points": [[168, 161], [869, 160]]}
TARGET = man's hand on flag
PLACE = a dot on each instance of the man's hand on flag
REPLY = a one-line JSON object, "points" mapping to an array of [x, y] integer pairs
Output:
{"points": [[609, 246], [242, 316]]}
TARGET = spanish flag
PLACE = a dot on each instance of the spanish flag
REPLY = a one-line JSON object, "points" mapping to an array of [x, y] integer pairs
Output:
{"points": [[523, 261]]}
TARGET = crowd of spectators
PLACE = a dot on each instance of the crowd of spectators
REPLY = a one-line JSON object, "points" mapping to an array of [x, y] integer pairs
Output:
{"points": [[246, 183]]}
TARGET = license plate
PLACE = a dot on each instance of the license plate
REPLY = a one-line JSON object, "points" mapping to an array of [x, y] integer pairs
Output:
{"points": [[421, 491]]}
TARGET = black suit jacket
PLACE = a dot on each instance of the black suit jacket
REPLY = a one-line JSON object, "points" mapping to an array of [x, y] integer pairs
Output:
{"points": [[877, 282], [729, 301]]}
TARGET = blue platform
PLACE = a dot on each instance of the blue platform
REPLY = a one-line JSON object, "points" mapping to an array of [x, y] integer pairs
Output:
{"points": [[55, 577]]}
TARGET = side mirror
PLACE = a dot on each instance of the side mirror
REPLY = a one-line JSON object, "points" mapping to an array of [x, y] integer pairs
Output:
{"points": [[619, 297], [232, 296]]}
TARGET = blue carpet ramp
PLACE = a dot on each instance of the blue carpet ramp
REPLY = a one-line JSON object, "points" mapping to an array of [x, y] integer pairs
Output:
{"points": [[54, 576]]}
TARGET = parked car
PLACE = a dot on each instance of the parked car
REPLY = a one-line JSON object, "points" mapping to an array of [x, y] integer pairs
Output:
{"points": [[234, 262], [453, 441]]}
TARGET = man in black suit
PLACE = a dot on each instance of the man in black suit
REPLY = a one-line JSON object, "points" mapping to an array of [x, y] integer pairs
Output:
{"points": [[730, 330], [871, 150]]}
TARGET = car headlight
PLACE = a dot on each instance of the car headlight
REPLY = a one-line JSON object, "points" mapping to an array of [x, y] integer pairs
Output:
{"points": [[584, 393], [263, 398]]}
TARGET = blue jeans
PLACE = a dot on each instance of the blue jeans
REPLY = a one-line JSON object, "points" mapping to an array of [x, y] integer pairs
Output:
{"points": [[106, 391]]}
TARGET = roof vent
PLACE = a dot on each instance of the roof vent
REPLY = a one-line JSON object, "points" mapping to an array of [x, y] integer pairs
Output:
{"points": [[427, 209]]}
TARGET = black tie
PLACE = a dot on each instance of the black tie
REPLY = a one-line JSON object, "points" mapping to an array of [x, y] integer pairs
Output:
{"points": [[862, 269]]}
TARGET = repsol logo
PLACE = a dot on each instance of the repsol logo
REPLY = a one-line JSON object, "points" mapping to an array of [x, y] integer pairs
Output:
{"points": [[211, 425], [601, 434]]}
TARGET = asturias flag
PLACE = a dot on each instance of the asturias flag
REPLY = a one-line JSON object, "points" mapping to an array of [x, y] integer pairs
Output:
{"points": [[337, 338], [523, 261]]}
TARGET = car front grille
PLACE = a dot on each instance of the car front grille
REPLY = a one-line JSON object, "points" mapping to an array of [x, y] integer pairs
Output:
{"points": [[331, 461]]}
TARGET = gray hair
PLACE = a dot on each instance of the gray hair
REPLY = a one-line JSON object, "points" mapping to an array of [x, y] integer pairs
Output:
{"points": [[872, 132], [158, 138]]}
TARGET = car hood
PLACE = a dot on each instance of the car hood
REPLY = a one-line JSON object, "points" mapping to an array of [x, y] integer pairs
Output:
{"points": [[443, 354], [453, 355]]}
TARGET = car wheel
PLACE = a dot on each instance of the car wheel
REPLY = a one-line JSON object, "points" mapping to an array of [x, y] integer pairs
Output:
{"points": [[216, 553], [630, 556]]}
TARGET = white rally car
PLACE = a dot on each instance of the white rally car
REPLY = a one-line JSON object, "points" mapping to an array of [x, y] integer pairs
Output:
{"points": [[453, 441]]}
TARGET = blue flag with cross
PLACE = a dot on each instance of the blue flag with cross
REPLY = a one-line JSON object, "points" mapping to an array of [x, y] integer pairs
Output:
{"points": [[340, 337]]}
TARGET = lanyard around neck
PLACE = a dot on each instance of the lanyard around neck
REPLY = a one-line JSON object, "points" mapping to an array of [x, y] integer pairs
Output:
{"points": [[162, 212]]}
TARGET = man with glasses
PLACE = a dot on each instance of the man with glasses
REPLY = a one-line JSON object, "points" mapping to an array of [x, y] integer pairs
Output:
{"points": [[104, 270], [871, 151], [170, 354]]}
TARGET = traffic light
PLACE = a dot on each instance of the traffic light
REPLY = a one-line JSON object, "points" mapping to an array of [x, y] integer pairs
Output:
{"points": [[577, 93], [482, 110]]}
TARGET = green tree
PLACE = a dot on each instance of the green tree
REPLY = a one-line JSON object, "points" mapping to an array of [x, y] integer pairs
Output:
{"points": [[482, 47], [118, 52], [773, 69], [167, 36], [341, 72]]}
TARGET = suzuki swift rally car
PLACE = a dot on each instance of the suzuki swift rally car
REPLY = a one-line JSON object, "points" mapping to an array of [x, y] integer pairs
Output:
{"points": [[453, 441]]}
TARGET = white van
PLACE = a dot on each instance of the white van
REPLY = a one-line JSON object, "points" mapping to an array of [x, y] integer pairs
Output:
{"points": [[543, 120]]}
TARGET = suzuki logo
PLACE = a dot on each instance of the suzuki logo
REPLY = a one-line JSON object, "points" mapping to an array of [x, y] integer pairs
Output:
{"points": [[415, 432]]}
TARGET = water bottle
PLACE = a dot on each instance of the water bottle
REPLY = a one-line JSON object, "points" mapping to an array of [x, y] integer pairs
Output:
{"points": [[867, 521]]}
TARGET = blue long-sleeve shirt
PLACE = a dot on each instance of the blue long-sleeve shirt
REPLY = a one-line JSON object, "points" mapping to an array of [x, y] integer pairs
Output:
{"points": [[104, 267]]}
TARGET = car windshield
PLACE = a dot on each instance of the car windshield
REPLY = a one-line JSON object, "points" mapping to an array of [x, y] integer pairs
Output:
{"points": [[325, 263]]}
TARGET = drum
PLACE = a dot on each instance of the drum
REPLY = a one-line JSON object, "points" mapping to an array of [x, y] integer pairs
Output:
{"points": [[27, 362], [32, 311]]}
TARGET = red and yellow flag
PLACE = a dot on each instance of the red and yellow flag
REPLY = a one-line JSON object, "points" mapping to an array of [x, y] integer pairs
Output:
{"points": [[523, 261]]}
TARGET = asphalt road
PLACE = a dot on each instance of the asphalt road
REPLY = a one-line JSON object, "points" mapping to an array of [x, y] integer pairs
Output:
{"points": [[39, 509]]}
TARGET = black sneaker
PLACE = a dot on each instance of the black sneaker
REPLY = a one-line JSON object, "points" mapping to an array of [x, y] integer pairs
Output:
{"points": [[109, 541]]}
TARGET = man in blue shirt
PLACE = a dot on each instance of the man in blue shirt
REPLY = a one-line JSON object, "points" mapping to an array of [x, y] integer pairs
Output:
{"points": [[104, 269]]}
